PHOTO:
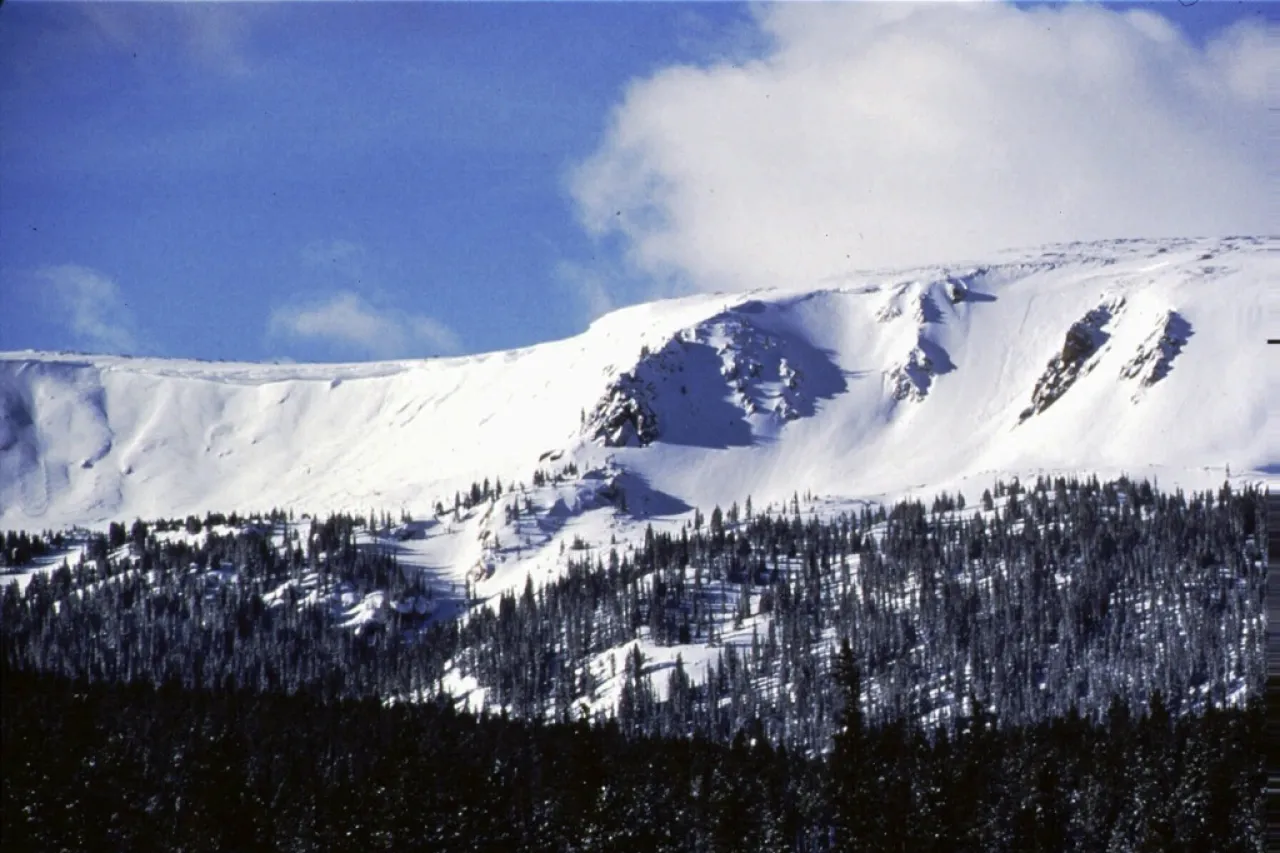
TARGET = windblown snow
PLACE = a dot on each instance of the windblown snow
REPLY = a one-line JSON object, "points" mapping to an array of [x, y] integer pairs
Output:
{"points": [[1140, 356]]}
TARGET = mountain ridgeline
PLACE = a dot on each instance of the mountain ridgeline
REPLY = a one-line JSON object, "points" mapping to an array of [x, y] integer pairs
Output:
{"points": [[1068, 359]]}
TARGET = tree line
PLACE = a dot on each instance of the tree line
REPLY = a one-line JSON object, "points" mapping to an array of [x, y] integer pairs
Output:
{"points": [[1064, 594]]}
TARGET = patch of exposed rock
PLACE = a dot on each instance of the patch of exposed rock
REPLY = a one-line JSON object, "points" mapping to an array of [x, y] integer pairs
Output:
{"points": [[726, 364], [911, 379], [892, 307], [1155, 355], [624, 416], [1084, 340]]}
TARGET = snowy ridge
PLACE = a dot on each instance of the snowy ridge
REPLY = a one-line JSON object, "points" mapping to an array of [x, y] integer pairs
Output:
{"points": [[874, 384]]}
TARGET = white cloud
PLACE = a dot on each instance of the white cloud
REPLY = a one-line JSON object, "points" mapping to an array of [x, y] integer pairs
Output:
{"points": [[213, 36], [434, 333], [589, 285], [884, 134], [94, 311], [348, 321]]}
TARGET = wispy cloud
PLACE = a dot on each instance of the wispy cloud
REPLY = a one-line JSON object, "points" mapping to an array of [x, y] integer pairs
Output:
{"points": [[347, 321], [434, 333], [94, 310], [214, 36], [356, 316], [872, 134], [217, 35], [342, 256], [588, 286]]}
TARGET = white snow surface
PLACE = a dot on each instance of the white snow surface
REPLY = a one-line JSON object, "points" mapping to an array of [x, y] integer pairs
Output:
{"points": [[876, 384]]}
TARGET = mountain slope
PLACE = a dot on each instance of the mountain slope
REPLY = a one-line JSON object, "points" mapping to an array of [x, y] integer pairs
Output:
{"points": [[1134, 355]]}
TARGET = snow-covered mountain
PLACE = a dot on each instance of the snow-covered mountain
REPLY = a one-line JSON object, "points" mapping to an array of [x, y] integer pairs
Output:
{"points": [[1137, 356]]}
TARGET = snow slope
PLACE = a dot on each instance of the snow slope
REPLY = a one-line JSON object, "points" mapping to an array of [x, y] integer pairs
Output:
{"points": [[1137, 356]]}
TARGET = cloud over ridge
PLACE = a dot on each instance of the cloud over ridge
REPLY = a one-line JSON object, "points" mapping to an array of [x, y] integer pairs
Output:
{"points": [[92, 307], [347, 320], [889, 134]]}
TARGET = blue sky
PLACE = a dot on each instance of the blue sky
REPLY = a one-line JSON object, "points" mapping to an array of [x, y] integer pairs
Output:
{"points": [[350, 181]]}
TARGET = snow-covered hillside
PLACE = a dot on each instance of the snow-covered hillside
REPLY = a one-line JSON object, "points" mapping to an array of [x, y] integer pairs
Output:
{"points": [[1137, 356]]}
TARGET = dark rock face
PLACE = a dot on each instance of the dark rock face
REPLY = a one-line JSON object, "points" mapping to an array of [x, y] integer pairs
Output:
{"points": [[912, 379], [1083, 341], [1079, 344], [715, 384], [1155, 355], [624, 417]]}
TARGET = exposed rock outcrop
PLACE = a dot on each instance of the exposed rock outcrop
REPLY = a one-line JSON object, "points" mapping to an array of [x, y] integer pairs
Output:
{"points": [[713, 384], [1084, 340], [911, 380], [624, 417], [1155, 355]]}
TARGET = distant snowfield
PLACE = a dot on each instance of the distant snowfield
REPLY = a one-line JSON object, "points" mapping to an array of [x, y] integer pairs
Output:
{"points": [[871, 386]]}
